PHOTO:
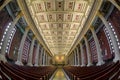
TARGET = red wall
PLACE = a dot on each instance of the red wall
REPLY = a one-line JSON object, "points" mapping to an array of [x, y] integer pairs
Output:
{"points": [[114, 19], [25, 52], [4, 20], [93, 50], [15, 43], [105, 48]]}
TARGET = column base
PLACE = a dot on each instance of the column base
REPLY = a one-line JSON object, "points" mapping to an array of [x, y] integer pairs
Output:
{"points": [[116, 59], [30, 64], [82, 65], [36, 65], [100, 63], [78, 65], [18, 63], [89, 64], [2, 58]]}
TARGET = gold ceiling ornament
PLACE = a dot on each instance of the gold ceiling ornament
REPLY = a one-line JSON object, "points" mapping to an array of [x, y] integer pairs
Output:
{"points": [[59, 21]]}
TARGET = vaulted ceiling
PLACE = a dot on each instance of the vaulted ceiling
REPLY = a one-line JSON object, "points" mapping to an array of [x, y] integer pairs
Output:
{"points": [[59, 21]]}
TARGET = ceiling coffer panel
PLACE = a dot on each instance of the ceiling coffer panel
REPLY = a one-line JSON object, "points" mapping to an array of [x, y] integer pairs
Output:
{"points": [[59, 21]]}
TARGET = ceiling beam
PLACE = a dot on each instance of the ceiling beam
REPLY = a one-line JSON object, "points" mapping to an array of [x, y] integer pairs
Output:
{"points": [[59, 12], [36, 1], [63, 22]]}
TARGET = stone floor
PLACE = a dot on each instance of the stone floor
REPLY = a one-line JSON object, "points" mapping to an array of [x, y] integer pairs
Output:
{"points": [[59, 75]]}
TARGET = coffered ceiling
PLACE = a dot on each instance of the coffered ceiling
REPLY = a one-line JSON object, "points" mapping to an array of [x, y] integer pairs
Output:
{"points": [[59, 21]]}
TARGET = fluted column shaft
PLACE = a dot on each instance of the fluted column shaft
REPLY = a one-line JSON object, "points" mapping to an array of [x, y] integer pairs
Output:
{"points": [[99, 54], [82, 56], [37, 55], [31, 53], [19, 58], [88, 52], [75, 58], [41, 57], [44, 58], [78, 56]]}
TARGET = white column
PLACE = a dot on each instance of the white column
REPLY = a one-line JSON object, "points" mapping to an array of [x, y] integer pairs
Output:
{"points": [[113, 39], [75, 58], [4, 4], [41, 57], [82, 56], [46, 59], [115, 4], [88, 52], [49, 58], [69, 58], [37, 55], [72, 56], [99, 54], [19, 58], [4, 45], [31, 52], [78, 56]]}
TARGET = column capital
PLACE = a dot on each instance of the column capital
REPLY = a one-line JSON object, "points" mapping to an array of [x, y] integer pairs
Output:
{"points": [[40, 45], [15, 20], [115, 4], [27, 28], [80, 43], [4, 4], [37, 41], [34, 37], [99, 13], [85, 37], [74, 50], [91, 28], [20, 13]]}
